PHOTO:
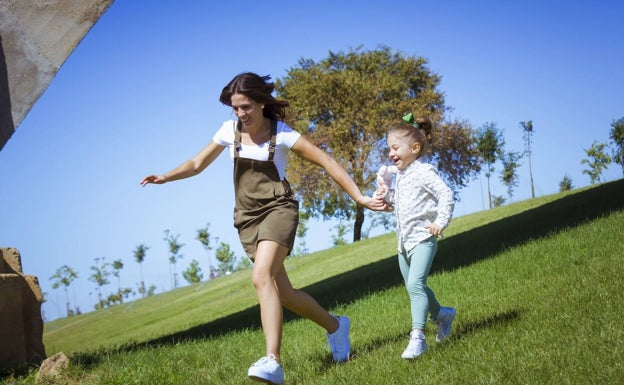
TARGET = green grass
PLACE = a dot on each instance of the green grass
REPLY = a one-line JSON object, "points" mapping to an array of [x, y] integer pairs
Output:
{"points": [[537, 284]]}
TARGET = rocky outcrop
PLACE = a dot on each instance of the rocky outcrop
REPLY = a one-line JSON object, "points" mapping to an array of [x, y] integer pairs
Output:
{"points": [[21, 324]]}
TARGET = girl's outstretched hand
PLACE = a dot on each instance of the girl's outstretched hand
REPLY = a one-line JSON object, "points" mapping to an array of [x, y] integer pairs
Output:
{"points": [[155, 179]]}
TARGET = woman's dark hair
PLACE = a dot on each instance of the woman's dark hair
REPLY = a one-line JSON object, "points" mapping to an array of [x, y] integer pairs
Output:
{"points": [[257, 88]]}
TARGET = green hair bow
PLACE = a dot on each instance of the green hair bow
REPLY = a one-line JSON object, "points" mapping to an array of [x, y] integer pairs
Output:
{"points": [[409, 118]]}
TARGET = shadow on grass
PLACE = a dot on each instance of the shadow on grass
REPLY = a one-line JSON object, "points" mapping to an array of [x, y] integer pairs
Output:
{"points": [[459, 250], [467, 328], [485, 323]]}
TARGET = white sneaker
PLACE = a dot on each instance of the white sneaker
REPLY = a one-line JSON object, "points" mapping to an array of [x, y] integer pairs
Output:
{"points": [[339, 340], [416, 345], [444, 321], [266, 370]]}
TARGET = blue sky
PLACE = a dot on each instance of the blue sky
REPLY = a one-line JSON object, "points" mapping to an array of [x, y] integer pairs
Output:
{"points": [[139, 95]]}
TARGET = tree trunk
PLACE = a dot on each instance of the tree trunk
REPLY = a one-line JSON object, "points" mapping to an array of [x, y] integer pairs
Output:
{"points": [[531, 173], [359, 221]]}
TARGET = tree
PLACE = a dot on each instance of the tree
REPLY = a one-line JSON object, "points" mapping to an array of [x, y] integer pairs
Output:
{"points": [[64, 276], [498, 200], [100, 278], [193, 273], [509, 175], [117, 297], [225, 256], [139, 256], [455, 153], [174, 249], [204, 237], [597, 160], [565, 184], [244, 263], [489, 144], [344, 105], [617, 137], [338, 238], [527, 128], [385, 220], [117, 266], [302, 229]]}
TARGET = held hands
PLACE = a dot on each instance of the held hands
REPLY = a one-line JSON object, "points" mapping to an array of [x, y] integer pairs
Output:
{"points": [[375, 204], [380, 195], [382, 188], [155, 179], [384, 180]]}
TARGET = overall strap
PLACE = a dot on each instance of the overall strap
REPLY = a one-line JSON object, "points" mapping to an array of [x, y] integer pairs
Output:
{"points": [[237, 138], [273, 139], [272, 143]]}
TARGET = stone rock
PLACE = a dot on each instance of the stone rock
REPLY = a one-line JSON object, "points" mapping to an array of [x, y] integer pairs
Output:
{"points": [[21, 325], [53, 366]]}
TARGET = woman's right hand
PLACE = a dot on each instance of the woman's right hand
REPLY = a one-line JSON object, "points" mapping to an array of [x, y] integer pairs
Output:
{"points": [[155, 179]]}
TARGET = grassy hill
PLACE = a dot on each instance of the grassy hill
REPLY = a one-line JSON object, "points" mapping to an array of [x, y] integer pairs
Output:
{"points": [[537, 285]]}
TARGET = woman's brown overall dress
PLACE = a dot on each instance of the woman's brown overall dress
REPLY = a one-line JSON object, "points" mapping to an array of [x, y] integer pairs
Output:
{"points": [[265, 208]]}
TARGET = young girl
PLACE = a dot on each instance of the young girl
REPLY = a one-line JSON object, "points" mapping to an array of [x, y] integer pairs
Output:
{"points": [[423, 204], [266, 213]]}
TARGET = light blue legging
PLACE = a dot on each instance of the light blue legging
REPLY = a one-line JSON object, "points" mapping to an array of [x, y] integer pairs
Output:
{"points": [[415, 265]]}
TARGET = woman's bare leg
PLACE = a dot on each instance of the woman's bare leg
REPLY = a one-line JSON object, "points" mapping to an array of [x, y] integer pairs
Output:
{"points": [[275, 290], [268, 262]]}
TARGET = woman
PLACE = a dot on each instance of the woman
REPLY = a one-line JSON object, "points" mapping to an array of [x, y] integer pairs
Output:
{"points": [[266, 214]]}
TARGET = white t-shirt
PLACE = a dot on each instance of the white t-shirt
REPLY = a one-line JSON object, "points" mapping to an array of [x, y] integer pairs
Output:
{"points": [[284, 140]]}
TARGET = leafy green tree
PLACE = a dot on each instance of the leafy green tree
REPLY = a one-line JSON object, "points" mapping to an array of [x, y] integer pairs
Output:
{"points": [[498, 200], [193, 273], [455, 153], [527, 128], [204, 237], [490, 143], [597, 160], [118, 297], [244, 263], [64, 276], [121, 293], [338, 238], [225, 256], [565, 184], [302, 229], [174, 249], [344, 104], [139, 256], [385, 220], [617, 137], [100, 278], [509, 174]]}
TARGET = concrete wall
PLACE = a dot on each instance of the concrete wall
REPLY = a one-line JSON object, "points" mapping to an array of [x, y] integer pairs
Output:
{"points": [[36, 37]]}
